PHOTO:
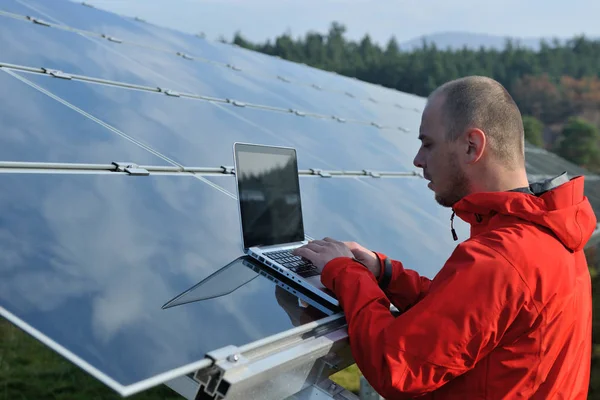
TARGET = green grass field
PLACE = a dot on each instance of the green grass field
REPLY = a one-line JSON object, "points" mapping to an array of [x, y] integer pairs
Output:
{"points": [[31, 371]]}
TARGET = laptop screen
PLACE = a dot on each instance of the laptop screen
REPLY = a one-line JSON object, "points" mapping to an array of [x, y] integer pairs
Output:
{"points": [[269, 195]]}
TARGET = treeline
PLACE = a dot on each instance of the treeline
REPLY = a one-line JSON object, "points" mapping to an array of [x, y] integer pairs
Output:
{"points": [[556, 87]]}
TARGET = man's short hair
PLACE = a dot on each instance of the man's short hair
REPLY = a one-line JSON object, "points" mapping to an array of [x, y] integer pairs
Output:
{"points": [[483, 103]]}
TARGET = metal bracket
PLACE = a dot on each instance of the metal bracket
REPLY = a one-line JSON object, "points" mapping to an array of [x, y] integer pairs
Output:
{"points": [[211, 379], [131, 169], [276, 370], [111, 38], [339, 119], [183, 55], [297, 112], [169, 92], [320, 172], [228, 170], [38, 21], [372, 173], [236, 103], [233, 67], [57, 73]]}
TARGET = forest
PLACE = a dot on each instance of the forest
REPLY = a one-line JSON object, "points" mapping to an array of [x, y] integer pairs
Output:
{"points": [[557, 88]]}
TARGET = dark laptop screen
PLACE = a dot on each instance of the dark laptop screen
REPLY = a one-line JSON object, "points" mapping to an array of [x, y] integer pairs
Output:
{"points": [[269, 193]]}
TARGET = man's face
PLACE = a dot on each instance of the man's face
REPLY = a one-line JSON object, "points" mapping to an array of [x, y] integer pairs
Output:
{"points": [[439, 158]]}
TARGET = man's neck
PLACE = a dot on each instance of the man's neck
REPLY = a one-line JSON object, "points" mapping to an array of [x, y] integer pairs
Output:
{"points": [[502, 182]]}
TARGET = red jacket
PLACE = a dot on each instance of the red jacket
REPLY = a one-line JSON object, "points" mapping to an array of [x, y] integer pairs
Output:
{"points": [[508, 316]]}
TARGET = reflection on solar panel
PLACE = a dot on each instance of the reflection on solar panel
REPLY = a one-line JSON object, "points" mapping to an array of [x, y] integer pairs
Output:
{"points": [[117, 195]]}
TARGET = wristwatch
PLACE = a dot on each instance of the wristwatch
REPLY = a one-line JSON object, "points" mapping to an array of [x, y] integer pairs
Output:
{"points": [[385, 279], [387, 274]]}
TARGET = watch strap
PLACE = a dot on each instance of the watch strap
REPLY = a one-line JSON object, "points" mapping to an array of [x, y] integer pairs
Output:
{"points": [[386, 274]]}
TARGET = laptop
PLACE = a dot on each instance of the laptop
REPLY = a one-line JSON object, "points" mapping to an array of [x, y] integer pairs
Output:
{"points": [[240, 272], [270, 209]]}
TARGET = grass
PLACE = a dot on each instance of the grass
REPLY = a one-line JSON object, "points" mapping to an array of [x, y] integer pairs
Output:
{"points": [[31, 371]]}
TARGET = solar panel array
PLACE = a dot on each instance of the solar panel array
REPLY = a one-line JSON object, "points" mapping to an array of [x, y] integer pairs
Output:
{"points": [[90, 251]]}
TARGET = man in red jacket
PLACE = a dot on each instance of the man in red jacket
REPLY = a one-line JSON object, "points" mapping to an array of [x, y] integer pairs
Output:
{"points": [[509, 315]]}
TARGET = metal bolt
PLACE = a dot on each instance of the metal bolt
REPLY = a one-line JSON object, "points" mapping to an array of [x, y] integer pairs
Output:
{"points": [[234, 358]]}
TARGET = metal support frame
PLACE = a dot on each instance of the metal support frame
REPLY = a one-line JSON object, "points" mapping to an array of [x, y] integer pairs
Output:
{"points": [[131, 169], [57, 73], [38, 21], [292, 367], [320, 172]]}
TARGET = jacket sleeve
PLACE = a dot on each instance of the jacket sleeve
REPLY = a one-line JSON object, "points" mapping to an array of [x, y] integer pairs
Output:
{"points": [[469, 306], [406, 286]]}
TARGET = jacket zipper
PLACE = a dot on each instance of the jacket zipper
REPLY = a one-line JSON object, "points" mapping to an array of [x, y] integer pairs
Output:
{"points": [[454, 235]]}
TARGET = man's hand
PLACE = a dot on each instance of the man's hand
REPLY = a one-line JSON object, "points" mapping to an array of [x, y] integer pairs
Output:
{"points": [[320, 252], [365, 256]]}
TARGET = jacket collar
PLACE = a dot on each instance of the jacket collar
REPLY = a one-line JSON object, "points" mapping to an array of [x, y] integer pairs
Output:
{"points": [[557, 204]]}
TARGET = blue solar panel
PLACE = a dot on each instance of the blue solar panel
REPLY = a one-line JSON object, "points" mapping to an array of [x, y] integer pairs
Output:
{"points": [[258, 84], [196, 132], [191, 132], [89, 260], [37, 128], [95, 20], [33, 45]]}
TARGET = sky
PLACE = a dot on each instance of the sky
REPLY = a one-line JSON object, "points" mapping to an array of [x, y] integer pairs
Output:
{"points": [[259, 20]]}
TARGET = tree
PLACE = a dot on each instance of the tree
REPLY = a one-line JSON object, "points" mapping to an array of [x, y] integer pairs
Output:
{"points": [[533, 130], [579, 143]]}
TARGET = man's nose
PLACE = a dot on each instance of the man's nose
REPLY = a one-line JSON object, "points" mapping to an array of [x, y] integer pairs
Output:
{"points": [[417, 161]]}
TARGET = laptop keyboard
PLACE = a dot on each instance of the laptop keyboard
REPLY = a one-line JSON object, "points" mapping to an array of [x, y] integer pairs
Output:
{"points": [[297, 264]]}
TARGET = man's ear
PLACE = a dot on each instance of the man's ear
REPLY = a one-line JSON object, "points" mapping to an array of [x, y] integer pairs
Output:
{"points": [[476, 141]]}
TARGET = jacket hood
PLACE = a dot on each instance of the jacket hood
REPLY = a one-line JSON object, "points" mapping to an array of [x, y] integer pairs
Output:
{"points": [[558, 204]]}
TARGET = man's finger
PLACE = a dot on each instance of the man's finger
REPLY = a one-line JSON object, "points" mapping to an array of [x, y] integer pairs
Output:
{"points": [[305, 252], [316, 247], [331, 240]]}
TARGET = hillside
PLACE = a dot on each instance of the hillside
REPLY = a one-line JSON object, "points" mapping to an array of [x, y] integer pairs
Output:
{"points": [[458, 40]]}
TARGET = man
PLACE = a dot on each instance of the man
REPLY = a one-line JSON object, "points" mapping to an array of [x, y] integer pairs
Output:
{"points": [[509, 314]]}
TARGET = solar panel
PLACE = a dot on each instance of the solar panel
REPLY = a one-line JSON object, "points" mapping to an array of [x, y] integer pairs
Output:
{"points": [[35, 45], [200, 133], [37, 128], [89, 261], [258, 85], [132, 31], [543, 162]]}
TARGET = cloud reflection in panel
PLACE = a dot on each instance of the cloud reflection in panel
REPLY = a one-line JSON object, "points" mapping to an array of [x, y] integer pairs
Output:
{"points": [[89, 260]]}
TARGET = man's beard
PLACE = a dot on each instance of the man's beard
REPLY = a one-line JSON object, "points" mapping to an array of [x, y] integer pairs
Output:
{"points": [[458, 189]]}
